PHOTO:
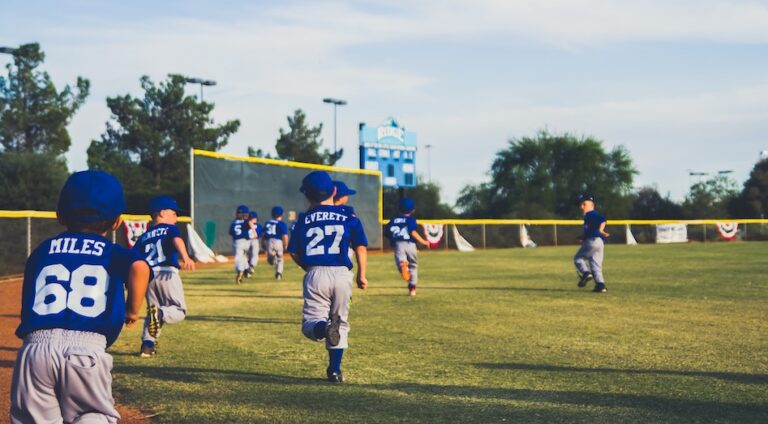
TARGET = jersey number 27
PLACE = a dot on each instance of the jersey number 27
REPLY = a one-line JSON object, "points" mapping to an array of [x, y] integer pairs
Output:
{"points": [[318, 234]]}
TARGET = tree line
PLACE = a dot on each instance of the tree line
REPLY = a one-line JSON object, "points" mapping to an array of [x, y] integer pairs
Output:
{"points": [[147, 139]]}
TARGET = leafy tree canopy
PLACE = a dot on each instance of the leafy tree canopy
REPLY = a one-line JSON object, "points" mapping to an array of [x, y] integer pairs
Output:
{"points": [[426, 195], [33, 114], [647, 203], [302, 143], [147, 142], [542, 176], [31, 180], [752, 202], [710, 198]]}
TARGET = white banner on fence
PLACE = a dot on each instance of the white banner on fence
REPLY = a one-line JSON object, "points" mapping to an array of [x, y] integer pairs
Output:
{"points": [[671, 233], [728, 230], [433, 233], [525, 238]]}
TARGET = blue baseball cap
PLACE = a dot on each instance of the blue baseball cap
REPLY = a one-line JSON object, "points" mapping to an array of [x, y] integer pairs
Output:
{"points": [[253, 214], [342, 189], [160, 203], [277, 211], [584, 197], [242, 209], [91, 196], [407, 205], [317, 186]]}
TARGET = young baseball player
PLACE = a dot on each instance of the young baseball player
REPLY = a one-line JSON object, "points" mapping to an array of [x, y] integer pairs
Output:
{"points": [[319, 243], [239, 230], [256, 231], [591, 246], [276, 234], [73, 308], [403, 235], [161, 245], [341, 198]]}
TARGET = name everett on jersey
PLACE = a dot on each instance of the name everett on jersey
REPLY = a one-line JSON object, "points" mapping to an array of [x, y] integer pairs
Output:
{"points": [[154, 233], [324, 216], [77, 246]]}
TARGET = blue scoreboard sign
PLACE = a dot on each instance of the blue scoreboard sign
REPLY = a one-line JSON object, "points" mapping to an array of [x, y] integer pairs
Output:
{"points": [[391, 149]]}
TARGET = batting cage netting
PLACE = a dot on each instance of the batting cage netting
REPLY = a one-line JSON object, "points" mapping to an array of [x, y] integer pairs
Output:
{"points": [[221, 182]]}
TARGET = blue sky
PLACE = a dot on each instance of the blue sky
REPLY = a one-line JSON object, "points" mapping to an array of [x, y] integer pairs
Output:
{"points": [[683, 85]]}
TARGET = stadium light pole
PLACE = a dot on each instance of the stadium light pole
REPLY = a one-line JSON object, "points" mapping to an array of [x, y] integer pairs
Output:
{"points": [[202, 82], [429, 161], [335, 103], [8, 50]]}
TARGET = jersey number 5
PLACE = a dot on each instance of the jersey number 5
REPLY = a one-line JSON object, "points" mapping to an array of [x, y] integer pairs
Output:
{"points": [[88, 295], [318, 234]]}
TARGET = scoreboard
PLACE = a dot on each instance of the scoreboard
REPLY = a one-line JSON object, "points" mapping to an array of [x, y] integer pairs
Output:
{"points": [[391, 149]]}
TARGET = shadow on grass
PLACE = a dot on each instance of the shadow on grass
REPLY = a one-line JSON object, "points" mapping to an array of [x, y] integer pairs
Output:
{"points": [[245, 294], [524, 289], [449, 403], [241, 319], [727, 376]]}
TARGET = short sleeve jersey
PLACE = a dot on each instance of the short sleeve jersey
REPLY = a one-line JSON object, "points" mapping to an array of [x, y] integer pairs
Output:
{"points": [[275, 229], [239, 229], [75, 281], [323, 235], [400, 227], [592, 221], [157, 247], [256, 232]]}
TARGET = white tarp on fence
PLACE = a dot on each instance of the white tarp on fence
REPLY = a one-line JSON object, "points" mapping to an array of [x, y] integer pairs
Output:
{"points": [[461, 243], [198, 249], [671, 233]]}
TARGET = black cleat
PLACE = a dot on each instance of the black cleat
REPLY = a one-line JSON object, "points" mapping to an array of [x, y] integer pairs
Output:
{"points": [[155, 320], [600, 288], [332, 331], [334, 377], [584, 279]]}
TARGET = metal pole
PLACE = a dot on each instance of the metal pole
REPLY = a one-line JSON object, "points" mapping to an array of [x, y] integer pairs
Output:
{"points": [[201, 92], [745, 231], [705, 232], [29, 236], [446, 238], [555, 231], [483, 236], [334, 128], [192, 185]]}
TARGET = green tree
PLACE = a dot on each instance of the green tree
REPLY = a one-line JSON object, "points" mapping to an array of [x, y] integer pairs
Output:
{"points": [[33, 114], [302, 143], [147, 142], [752, 202], [710, 198], [426, 195], [647, 203], [31, 180], [542, 176]]}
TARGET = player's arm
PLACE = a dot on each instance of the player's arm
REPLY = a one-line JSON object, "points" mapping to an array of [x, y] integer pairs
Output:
{"points": [[416, 236], [138, 280], [602, 229], [361, 253], [188, 264]]}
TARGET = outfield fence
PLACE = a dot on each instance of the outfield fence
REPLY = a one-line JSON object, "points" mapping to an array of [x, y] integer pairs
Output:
{"points": [[22, 231]]}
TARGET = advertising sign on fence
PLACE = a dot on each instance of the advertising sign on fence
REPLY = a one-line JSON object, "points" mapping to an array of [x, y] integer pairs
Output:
{"points": [[671, 233]]}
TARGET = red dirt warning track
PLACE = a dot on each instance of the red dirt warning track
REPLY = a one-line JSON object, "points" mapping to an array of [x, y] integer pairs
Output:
{"points": [[10, 298]]}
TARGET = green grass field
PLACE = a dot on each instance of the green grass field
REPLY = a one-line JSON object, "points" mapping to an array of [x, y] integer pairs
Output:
{"points": [[493, 336]]}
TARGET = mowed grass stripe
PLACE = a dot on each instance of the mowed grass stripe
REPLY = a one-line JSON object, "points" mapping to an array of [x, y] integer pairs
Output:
{"points": [[492, 336]]}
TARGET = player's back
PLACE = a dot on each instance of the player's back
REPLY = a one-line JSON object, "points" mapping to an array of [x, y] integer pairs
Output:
{"points": [[157, 246], [75, 281], [322, 236], [399, 228], [238, 229], [275, 229]]}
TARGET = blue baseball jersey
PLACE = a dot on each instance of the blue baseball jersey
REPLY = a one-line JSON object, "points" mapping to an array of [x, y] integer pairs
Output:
{"points": [[275, 229], [75, 281], [400, 227], [323, 235], [592, 221], [239, 229], [157, 247], [256, 232]]}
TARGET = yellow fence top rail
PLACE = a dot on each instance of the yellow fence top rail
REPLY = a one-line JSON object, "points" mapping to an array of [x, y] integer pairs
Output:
{"points": [[52, 215], [580, 222], [284, 163]]}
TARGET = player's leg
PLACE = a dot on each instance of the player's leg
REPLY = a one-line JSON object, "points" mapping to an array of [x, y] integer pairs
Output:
{"points": [[147, 339], [596, 263], [317, 303], [279, 262], [241, 258], [411, 254], [271, 251], [401, 260], [170, 294], [33, 387], [85, 385], [579, 260], [342, 295], [254, 253]]}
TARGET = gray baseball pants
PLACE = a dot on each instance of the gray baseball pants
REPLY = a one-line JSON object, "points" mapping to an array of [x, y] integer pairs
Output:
{"points": [[63, 376], [166, 292], [275, 252], [327, 292], [254, 253], [241, 247], [406, 251], [591, 250]]}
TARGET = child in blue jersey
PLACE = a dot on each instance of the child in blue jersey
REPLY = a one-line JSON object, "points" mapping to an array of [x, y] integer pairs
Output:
{"points": [[319, 242], [256, 231], [161, 245], [341, 198], [403, 234], [240, 232], [73, 308], [592, 246], [276, 234]]}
